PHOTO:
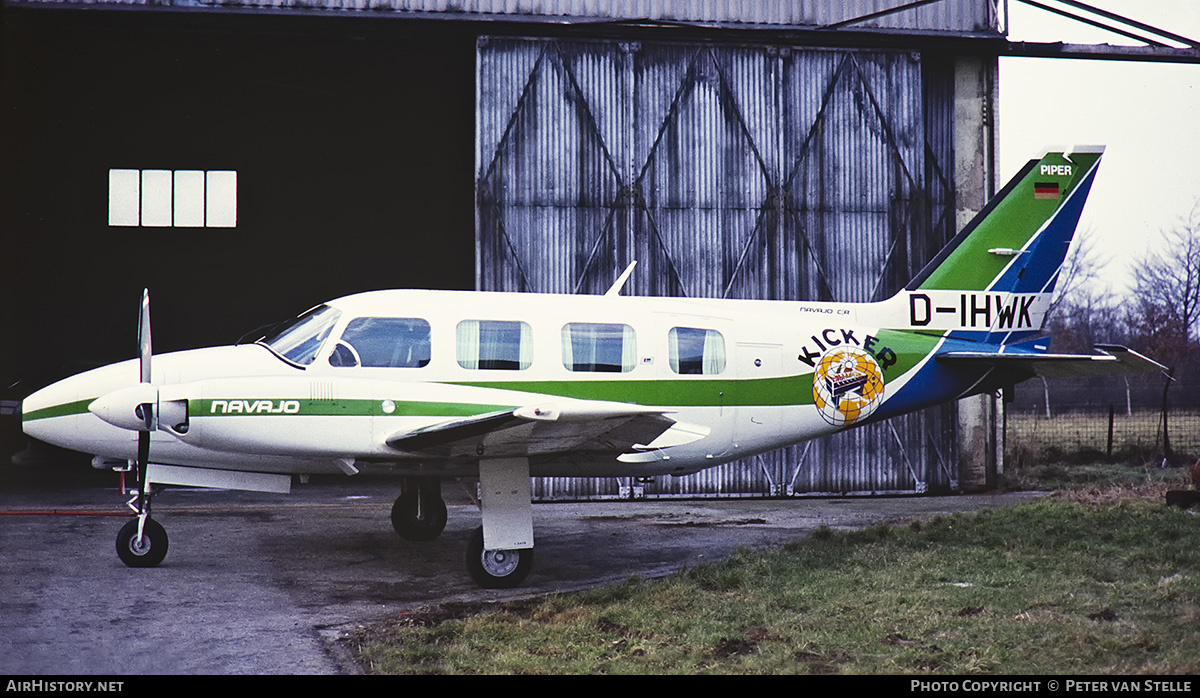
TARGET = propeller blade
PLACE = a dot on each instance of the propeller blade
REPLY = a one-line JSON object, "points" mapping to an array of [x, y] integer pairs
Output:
{"points": [[144, 346], [145, 410], [143, 460]]}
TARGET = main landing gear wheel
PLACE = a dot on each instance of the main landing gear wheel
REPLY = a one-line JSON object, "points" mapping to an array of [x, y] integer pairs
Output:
{"points": [[419, 513], [145, 553], [496, 569], [416, 520]]}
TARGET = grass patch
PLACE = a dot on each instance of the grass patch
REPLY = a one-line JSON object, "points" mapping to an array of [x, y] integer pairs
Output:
{"points": [[1144, 479], [1070, 584]]}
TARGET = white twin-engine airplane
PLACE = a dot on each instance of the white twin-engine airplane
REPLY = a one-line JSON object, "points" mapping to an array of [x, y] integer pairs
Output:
{"points": [[500, 387]]}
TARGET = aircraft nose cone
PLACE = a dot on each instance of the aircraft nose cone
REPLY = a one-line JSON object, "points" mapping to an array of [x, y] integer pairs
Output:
{"points": [[58, 414], [42, 412]]}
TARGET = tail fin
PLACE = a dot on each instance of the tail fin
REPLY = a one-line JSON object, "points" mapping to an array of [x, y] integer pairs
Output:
{"points": [[994, 280]]}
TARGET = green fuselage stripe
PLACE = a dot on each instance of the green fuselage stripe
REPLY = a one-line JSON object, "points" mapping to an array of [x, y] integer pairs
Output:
{"points": [[783, 390], [256, 407], [897, 351], [64, 410]]}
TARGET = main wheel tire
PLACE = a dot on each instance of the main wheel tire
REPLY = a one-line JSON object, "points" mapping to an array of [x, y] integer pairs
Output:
{"points": [[151, 550], [409, 526], [496, 569]]}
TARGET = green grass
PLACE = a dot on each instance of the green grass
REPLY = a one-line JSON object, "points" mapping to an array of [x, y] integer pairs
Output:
{"points": [[1070, 584]]}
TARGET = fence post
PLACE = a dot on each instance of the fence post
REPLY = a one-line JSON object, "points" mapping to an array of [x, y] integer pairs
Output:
{"points": [[1167, 455], [1111, 412]]}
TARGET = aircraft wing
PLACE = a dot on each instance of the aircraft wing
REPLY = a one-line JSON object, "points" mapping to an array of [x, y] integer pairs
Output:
{"points": [[578, 426], [1112, 360]]}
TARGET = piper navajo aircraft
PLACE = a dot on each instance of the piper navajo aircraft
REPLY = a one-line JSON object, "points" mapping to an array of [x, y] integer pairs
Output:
{"points": [[500, 387]]}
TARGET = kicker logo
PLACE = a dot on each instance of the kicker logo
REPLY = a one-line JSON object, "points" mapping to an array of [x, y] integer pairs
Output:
{"points": [[254, 407], [884, 356]]}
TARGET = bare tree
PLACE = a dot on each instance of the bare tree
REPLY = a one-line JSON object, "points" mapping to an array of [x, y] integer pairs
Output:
{"points": [[1164, 315], [1080, 269], [1165, 312], [1082, 313]]}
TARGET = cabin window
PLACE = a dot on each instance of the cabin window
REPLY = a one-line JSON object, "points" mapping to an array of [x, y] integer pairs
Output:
{"points": [[299, 341], [596, 347], [495, 345], [695, 351], [383, 342]]}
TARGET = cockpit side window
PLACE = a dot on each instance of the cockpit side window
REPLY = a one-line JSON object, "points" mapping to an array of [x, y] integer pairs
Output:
{"points": [[383, 342], [298, 341]]}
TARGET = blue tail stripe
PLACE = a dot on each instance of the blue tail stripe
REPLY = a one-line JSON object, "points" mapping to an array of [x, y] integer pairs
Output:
{"points": [[1045, 256]]}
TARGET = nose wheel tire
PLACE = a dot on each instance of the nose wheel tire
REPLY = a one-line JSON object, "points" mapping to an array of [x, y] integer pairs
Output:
{"points": [[496, 569], [147, 552]]}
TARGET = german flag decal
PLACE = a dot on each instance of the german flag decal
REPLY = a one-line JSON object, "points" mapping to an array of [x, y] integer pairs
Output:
{"points": [[1045, 190]]}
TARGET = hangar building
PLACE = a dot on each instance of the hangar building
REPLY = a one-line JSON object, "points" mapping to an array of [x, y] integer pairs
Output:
{"points": [[248, 159]]}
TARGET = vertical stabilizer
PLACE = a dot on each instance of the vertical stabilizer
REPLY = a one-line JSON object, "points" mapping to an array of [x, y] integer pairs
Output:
{"points": [[993, 282]]}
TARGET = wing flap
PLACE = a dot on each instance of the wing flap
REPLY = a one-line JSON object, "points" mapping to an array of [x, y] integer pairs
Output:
{"points": [[447, 433]]}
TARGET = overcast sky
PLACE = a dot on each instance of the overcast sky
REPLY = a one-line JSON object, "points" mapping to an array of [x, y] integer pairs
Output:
{"points": [[1146, 114]]}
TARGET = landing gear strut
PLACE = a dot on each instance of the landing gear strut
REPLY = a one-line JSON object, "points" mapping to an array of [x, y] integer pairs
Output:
{"points": [[502, 557], [142, 541], [419, 513]]}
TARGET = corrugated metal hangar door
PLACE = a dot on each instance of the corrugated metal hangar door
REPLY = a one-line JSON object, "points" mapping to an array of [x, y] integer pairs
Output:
{"points": [[725, 171]]}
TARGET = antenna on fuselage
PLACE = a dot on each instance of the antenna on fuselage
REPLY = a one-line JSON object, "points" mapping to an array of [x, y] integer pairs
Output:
{"points": [[615, 289]]}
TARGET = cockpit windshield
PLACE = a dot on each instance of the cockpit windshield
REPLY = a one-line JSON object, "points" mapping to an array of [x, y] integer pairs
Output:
{"points": [[298, 341]]}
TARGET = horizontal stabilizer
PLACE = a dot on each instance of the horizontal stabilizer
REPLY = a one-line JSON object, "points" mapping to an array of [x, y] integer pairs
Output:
{"points": [[1112, 360]]}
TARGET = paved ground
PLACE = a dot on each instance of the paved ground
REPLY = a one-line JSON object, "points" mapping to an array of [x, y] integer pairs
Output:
{"points": [[264, 584]]}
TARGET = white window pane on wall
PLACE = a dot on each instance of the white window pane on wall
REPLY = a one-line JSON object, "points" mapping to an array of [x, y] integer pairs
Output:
{"points": [[189, 199], [156, 198], [124, 194], [221, 199], [172, 198]]}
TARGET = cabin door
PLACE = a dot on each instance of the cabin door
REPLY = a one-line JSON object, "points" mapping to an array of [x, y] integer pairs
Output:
{"points": [[756, 400]]}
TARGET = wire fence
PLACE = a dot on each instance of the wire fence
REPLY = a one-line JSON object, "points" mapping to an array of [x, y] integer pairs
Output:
{"points": [[1128, 419]]}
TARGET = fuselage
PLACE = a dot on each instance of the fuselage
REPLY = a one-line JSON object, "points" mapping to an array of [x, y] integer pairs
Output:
{"points": [[327, 392]]}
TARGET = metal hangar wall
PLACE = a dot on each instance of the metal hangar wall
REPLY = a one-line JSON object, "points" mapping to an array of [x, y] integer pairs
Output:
{"points": [[790, 150], [730, 172]]}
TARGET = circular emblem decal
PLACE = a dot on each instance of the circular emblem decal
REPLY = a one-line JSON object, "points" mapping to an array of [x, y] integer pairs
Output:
{"points": [[847, 386]]}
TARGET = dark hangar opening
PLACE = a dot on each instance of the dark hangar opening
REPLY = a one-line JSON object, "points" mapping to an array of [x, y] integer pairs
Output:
{"points": [[352, 146]]}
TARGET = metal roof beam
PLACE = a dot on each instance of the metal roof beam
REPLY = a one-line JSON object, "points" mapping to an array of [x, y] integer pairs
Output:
{"points": [[1131, 22], [1112, 17], [1154, 54]]}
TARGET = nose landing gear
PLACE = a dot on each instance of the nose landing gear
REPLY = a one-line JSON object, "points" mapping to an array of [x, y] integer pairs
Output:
{"points": [[144, 548]]}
